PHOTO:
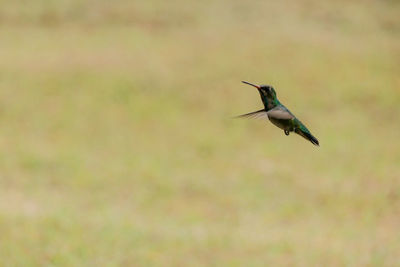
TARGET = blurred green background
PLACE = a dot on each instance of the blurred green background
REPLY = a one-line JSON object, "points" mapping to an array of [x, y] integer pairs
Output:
{"points": [[117, 146]]}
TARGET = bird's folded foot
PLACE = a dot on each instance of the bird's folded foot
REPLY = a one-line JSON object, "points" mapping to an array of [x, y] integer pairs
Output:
{"points": [[286, 132]]}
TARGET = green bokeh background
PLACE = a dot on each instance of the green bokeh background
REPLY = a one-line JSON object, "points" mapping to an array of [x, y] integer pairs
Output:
{"points": [[117, 146]]}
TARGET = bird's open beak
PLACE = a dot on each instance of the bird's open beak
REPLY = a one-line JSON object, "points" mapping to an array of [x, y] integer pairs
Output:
{"points": [[256, 86]]}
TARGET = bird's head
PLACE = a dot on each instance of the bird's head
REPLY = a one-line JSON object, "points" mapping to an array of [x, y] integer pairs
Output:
{"points": [[266, 91]]}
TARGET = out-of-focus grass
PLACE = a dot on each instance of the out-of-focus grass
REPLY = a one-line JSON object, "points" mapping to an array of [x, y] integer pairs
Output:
{"points": [[117, 147]]}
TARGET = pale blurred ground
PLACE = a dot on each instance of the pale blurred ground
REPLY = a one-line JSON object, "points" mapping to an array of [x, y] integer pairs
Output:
{"points": [[117, 146]]}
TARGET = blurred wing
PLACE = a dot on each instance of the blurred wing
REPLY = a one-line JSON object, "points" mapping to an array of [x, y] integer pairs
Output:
{"points": [[259, 114], [279, 114]]}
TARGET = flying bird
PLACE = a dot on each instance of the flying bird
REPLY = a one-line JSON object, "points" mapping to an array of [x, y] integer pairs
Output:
{"points": [[278, 114]]}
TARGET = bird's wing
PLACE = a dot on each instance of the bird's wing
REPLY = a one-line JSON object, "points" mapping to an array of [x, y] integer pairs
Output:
{"points": [[279, 114], [259, 114]]}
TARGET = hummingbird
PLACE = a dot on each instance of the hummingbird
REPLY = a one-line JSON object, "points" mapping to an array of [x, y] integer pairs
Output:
{"points": [[278, 114]]}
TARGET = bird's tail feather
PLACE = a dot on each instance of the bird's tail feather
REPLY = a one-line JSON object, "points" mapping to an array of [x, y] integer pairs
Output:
{"points": [[303, 131]]}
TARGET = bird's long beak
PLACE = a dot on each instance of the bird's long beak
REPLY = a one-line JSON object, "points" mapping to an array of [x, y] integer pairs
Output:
{"points": [[256, 86]]}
